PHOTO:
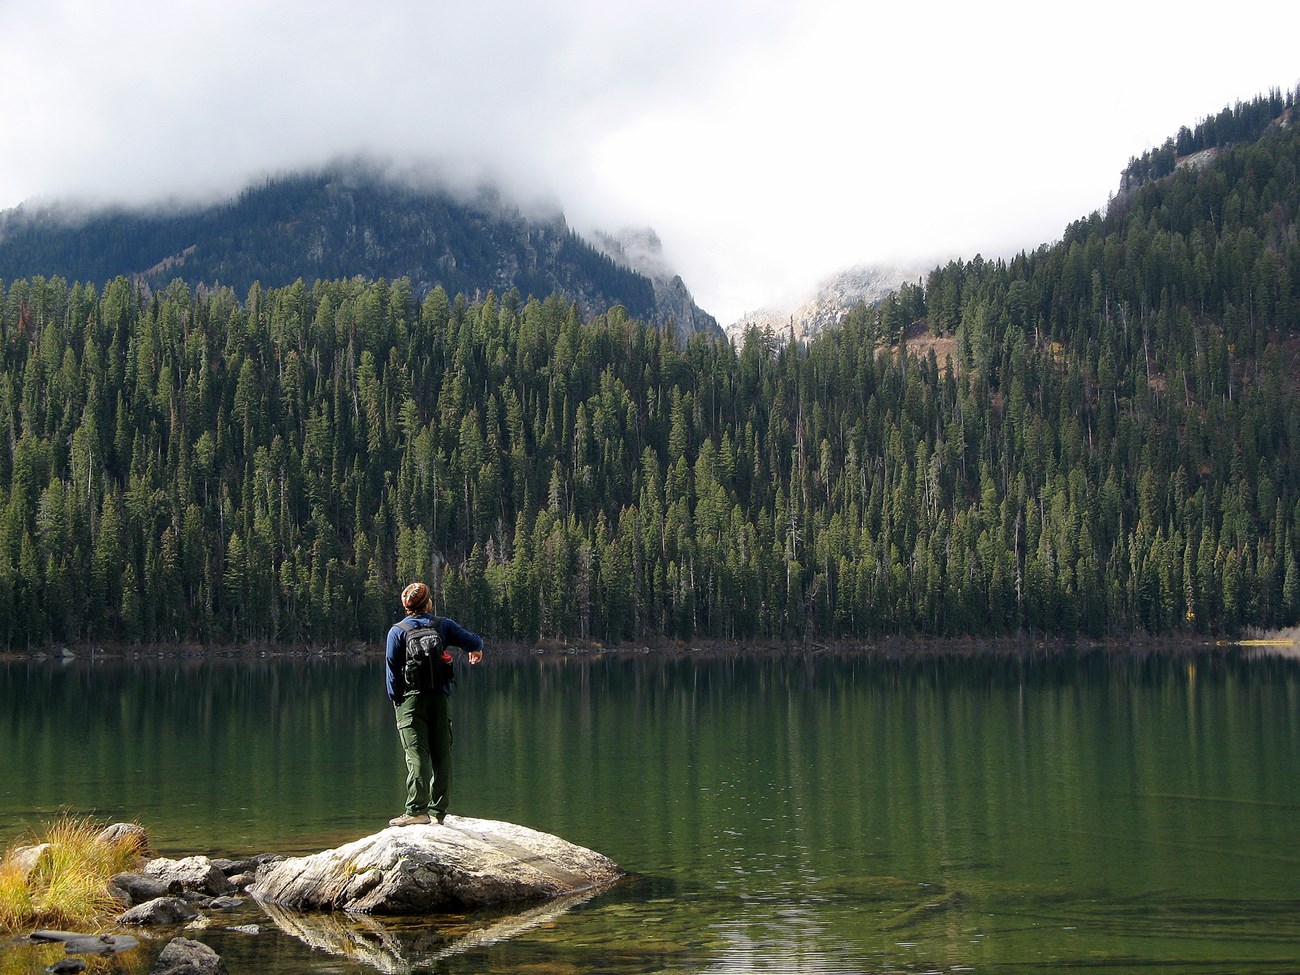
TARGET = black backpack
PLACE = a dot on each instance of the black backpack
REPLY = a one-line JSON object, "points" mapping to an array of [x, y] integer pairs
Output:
{"points": [[428, 664]]}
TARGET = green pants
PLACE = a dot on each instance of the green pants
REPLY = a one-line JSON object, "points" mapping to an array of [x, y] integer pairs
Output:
{"points": [[424, 725]]}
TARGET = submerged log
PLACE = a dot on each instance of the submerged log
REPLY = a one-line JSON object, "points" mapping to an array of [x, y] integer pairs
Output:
{"points": [[461, 865]]}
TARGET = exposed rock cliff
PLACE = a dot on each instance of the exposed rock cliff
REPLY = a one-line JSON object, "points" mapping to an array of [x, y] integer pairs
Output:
{"points": [[642, 251]]}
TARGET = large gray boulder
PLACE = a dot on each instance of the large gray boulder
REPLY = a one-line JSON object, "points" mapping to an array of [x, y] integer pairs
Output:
{"points": [[197, 873], [463, 864]]}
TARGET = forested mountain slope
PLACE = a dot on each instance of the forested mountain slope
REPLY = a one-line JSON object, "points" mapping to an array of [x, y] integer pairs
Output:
{"points": [[1114, 450], [339, 223], [1240, 124]]}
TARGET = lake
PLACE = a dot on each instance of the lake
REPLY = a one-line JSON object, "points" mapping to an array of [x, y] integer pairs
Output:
{"points": [[1030, 810]]}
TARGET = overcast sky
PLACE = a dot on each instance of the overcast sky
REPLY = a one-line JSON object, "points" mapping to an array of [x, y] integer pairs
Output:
{"points": [[768, 143]]}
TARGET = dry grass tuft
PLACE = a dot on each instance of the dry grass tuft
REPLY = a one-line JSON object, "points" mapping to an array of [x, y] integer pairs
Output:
{"points": [[68, 886]]}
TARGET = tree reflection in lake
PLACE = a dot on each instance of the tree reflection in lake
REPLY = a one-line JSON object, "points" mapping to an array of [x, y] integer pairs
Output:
{"points": [[802, 811]]}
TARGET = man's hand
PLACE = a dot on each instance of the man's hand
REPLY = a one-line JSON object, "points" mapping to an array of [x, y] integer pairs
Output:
{"points": [[475, 656]]}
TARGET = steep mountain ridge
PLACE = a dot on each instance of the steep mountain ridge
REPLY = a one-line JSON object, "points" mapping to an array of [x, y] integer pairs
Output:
{"points": [[642, 251], [344, 222]]}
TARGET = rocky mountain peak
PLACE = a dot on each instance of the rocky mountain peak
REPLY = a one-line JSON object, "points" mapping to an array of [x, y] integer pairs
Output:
{"points": [[806, 315], [640, 250]]}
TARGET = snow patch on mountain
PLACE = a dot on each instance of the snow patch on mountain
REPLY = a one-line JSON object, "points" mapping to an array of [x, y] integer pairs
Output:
{"points": [[805, 315]]}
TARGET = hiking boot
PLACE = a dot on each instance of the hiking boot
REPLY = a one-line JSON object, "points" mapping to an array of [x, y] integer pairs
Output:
{"points": [[406, 819]]}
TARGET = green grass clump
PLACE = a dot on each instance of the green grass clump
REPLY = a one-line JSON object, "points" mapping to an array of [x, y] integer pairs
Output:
{"points": [[69, 886]]}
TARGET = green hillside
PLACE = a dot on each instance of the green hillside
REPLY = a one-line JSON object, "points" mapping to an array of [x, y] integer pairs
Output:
{"points": [[1110, 449]]}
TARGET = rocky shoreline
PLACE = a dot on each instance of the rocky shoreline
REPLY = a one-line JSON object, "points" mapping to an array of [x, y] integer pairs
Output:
{"points": [[415, 871], [164, 894]]}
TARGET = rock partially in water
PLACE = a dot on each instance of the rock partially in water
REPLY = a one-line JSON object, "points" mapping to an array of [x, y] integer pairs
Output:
{"points": [[231, 867], [160, 910], [140, 888], [197, 874], [462, 865], [185, 957], [242, 873]]}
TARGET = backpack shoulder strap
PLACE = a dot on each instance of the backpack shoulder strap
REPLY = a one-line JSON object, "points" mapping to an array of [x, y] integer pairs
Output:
{"points": [[410, 624]]}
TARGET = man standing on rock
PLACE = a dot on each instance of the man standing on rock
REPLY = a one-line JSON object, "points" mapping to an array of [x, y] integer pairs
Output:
{"points": [[419, 678]]}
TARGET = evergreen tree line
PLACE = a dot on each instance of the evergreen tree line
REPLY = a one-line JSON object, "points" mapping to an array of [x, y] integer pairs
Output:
{"points": [[1240, 124], [1109, 448], [339, 223]]}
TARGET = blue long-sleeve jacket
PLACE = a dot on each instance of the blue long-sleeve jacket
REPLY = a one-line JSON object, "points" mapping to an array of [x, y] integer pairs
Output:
{"points": [[453, 634]]}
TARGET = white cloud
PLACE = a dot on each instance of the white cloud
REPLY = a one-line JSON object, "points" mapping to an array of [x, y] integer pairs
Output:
{"points": [[769, 143]]}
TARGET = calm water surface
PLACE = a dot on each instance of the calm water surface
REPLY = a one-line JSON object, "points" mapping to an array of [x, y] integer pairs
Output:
{"points": [[801, 813]]}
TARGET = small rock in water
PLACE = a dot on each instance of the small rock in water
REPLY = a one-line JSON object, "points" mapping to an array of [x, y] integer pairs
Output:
{"points": [[247, 928], [232, 867], [185, 957], [225, 903], [140, 888], [160, 910]]}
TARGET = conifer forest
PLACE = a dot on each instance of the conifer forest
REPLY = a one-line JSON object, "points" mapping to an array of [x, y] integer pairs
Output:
{"points": [[1103, 443]]}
